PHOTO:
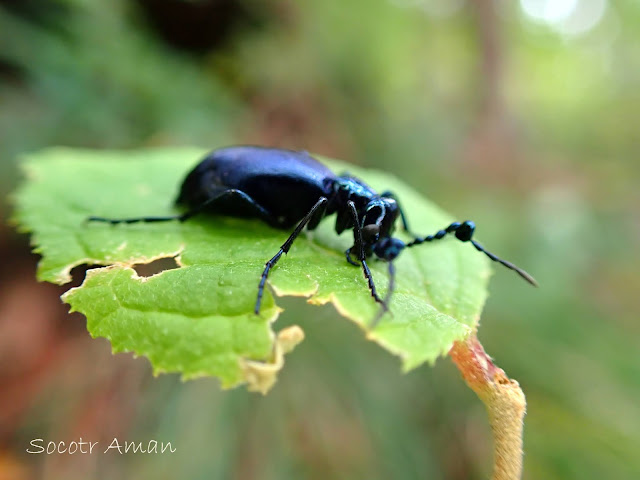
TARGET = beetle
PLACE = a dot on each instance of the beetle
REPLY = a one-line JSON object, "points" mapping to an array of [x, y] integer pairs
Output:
{"points": [[291, 189]]}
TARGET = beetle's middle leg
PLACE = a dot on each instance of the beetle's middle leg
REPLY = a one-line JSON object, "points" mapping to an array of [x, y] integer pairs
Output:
{"points": [[403, 216], [321, 203]]}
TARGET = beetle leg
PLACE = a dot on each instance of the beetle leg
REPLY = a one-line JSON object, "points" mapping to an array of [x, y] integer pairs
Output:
{"points": [[403, 217], [115, 221], [349, 259], [387, 297], [358, 245], [259, 210], [284, 249]]}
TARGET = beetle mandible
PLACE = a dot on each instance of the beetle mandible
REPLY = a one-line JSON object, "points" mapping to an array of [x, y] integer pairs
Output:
{"points": [[290, 189]]}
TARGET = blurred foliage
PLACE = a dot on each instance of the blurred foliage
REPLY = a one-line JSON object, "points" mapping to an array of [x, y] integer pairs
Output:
{"points": [[529, 131]]}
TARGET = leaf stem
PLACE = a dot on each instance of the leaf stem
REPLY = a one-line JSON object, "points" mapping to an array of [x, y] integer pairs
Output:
{"points": [[504, 400]]}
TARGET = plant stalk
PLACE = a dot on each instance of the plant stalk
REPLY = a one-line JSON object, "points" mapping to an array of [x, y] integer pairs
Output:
{"points": [[504, 400]]}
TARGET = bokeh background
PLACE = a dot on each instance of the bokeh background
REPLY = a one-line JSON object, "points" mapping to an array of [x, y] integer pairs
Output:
{"points": [[524, 116]]}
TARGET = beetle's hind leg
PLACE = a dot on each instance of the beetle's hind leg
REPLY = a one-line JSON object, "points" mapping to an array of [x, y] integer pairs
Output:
{"points": [[238, 195], [320, 204], [115, 221]]}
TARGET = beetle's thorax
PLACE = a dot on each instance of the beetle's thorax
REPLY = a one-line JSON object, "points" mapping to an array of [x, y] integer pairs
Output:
{"points": [[376, 213]]}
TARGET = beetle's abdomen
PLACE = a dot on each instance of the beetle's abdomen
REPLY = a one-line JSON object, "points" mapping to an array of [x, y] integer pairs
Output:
{"points": [[284, 183]]}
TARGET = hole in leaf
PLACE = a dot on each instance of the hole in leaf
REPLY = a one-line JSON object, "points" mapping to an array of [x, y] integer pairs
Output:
{"points": [[156, 266], [78, 274]]}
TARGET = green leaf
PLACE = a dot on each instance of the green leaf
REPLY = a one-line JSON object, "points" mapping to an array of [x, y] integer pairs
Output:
{"points": [[198, 319]]}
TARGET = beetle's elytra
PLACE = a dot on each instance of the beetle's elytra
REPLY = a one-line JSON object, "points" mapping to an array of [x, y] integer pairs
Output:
{"points": [[292, 190]]}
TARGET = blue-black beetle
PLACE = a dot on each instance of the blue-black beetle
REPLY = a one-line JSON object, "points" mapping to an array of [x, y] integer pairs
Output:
{"points": [[288, 189]]}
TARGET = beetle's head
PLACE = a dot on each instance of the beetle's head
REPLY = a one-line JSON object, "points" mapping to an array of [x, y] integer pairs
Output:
{"points": [[388, 248], [379, 220]]}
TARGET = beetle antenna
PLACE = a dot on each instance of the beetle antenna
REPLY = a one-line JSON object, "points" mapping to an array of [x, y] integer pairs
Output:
{"points": [[385, 302], [509, 265], [463, 232]]}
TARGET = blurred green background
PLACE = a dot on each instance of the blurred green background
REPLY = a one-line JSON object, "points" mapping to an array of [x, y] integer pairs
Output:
{"points": [[524, 116]]}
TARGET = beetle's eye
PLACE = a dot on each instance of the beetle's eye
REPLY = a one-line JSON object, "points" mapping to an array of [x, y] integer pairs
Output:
{"points": [[370, 233], [374, 214]]}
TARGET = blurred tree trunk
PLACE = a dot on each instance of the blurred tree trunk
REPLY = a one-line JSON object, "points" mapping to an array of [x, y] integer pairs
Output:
{"points": [[491, 148]]}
